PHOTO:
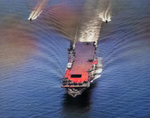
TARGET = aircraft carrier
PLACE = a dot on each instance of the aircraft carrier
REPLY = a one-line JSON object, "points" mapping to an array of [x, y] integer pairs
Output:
{"points": [[83, 67]]}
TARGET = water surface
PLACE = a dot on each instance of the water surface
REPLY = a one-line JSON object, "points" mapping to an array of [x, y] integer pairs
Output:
{"points": [[31, 68]]}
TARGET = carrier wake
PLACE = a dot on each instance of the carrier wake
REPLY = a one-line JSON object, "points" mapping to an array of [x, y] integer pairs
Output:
{"points": [[83, 66]]}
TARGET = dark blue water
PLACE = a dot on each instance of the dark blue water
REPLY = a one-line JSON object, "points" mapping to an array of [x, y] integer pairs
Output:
{"points": [[31, 75]]}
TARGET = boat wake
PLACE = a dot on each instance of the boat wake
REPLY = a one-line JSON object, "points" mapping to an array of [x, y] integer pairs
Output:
{"points": [[38, 9], [94, 14], [78, 28], [106, 14]]}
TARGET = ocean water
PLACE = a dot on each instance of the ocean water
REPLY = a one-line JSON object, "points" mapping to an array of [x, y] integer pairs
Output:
{"points": [[33, 58]]}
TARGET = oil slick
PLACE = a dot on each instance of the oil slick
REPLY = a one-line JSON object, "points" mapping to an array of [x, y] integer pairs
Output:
{"points": [[105, 15], [38, 9]]}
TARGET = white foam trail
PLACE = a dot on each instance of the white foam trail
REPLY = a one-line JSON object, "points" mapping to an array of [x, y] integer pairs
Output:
{"points": [[98, 71], [99, 65], [96, 76], [93, 16], [38, 9], [105, 15]]}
